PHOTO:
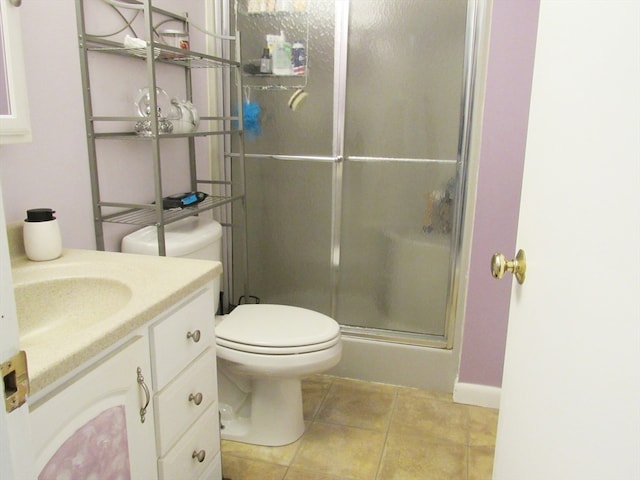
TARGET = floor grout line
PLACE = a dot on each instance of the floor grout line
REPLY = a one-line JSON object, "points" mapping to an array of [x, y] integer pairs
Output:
{"points": [[313, 420], [386, 434]]}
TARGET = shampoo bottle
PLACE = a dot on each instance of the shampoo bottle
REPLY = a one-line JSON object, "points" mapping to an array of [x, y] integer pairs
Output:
{"points": [[265, 61], [281, 58]]}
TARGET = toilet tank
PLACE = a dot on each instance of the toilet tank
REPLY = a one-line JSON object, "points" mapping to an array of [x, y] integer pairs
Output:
{"points": [[191, 237]]}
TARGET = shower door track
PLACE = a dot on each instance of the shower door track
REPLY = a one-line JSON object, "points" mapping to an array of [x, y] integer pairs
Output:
{"points": [[395, 336]]}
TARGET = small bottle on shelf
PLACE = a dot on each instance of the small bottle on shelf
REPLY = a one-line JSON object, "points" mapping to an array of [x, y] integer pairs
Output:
{"points": [[299, 58], [265, 61]]}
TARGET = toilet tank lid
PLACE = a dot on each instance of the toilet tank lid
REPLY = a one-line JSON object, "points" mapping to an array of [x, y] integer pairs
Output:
{"points": [[181, 238]]}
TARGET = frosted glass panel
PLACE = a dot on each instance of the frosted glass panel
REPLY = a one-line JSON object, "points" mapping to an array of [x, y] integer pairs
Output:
{"points": [[395, 245], [289, 229], [404, 78], [98, 449], [309, 129]]}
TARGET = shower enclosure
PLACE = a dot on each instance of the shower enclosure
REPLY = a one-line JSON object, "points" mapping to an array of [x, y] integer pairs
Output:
{"points": [[355, 197]]}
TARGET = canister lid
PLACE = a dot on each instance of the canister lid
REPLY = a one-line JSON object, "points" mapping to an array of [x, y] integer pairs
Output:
{"points": [[40, 215]]}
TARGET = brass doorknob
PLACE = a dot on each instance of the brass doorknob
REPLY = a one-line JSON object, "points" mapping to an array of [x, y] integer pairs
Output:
{"points": [[517, 266]]}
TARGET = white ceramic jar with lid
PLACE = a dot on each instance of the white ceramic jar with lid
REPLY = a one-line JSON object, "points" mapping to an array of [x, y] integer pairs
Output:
{"points": [[41, 234]]}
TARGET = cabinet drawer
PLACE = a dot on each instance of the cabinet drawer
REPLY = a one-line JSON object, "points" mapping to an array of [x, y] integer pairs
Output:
{"points": [[173, 407], [173, 345], [203, 437], [214, 472]]}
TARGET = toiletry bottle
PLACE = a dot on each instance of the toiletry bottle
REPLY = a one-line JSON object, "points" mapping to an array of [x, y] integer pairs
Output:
{"points": [[281, 60], [271, 44], [265, 61], [41, 234], [299, 58]]}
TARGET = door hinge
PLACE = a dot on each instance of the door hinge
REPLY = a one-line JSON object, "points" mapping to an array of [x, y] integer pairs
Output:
{"points": [[15, 377]]}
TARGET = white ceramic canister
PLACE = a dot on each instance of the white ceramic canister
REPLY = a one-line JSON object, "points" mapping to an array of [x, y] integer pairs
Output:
{"points": [[175, 38], [41, 234]]}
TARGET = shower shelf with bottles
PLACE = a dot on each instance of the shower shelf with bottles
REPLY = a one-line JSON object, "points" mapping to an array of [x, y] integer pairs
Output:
{"points": [[152, 52], [285, 19]]}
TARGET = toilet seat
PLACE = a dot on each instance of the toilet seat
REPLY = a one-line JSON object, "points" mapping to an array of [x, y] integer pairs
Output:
{"points": [[277, 350], [277, 330]]}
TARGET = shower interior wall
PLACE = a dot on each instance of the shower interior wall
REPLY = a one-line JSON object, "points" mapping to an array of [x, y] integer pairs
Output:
{"points": [[359, 229]]}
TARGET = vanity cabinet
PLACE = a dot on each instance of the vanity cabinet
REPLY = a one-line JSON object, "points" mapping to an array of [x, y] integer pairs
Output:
{"points": [[186, 392], [95, 425], [146, 410]]}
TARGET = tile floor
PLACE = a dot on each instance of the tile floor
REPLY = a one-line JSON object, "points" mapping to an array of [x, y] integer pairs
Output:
{"points": [[368, 431]]}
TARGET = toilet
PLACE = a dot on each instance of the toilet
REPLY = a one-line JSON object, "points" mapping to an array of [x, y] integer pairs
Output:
{"points": [[263, 351]]}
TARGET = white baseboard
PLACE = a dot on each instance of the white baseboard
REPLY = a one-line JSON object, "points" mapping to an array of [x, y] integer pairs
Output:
{"points": [[478, 395]]}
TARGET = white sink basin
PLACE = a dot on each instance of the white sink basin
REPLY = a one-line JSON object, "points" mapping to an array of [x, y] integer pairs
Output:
{"points": [[70, 303]]}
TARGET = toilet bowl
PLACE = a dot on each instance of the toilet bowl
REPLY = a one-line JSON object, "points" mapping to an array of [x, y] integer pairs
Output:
{"points": [[263, 351]]}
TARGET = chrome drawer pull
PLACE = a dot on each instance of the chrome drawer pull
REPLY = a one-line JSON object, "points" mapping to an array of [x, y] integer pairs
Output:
{"points": [[195, 335], [143, 410], [197, 398], [199, 455]]}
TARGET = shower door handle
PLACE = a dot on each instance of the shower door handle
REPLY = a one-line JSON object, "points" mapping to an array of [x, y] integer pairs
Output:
{"points": [[518, 266]]}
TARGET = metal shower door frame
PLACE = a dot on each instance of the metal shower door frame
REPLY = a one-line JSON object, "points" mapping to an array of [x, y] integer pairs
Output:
{"points": [[475, 12]]}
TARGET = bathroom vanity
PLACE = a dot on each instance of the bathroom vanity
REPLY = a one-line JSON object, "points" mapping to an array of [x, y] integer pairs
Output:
{"points": [[131, 393]]}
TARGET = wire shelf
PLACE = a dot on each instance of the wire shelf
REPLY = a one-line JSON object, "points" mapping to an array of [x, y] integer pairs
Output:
{"points": [[162, 54], [149, 216]]}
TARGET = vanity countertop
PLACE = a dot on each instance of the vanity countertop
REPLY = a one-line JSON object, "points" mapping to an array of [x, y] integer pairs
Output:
{"points": [[156, 283]]}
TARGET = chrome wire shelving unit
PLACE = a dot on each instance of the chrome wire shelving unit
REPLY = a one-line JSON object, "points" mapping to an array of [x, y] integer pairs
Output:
{"points": [[114, 127]]}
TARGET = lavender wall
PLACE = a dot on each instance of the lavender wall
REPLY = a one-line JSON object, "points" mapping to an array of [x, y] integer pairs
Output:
{"points": [[508, 88], [53, 170]]}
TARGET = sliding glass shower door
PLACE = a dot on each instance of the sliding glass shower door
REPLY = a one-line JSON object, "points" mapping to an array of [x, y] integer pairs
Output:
{"points": [[353, 198]]}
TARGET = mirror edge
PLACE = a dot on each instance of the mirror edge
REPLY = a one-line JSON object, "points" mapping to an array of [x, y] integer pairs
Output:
{"points": [[15, 127]]}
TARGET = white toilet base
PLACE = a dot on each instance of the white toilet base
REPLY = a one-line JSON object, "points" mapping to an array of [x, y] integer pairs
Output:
{"points": [[275, 414], [260, 393]]}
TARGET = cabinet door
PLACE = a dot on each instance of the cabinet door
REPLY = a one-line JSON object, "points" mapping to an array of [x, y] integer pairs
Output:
{"points": [[91, 427], [214, 472]]}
